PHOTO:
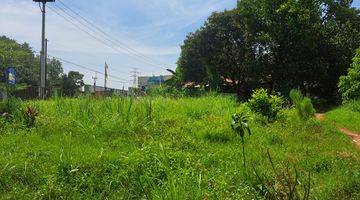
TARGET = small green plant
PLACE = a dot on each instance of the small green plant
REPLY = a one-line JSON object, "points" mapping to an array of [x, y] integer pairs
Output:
{"points": [[240, 126], [30, 115], [303, 105], [267, 105]]}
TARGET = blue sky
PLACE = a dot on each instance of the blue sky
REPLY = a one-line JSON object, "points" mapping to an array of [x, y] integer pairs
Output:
{"points": [[155, 28]]}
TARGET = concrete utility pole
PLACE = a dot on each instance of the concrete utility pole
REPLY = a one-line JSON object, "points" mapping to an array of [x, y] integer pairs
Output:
{"points": [[42, 53]]}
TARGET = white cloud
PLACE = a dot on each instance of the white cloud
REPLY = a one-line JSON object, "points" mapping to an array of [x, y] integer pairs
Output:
{"points": [[157, 33]]}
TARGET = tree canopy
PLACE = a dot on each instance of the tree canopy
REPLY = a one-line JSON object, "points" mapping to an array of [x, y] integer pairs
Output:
{"points": [[27, 65], [71, 83], [276, 44], [22, 58]]}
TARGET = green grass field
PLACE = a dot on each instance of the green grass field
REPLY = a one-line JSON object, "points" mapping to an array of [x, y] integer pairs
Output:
{"points": [[347, 116], [161, 148]]}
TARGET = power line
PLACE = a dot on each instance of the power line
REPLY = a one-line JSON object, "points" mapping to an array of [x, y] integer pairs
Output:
{"points": [[93, 36], [94, 65], [84, 67], [118, 79], [88, 34], [124, 46], [88, 69]]}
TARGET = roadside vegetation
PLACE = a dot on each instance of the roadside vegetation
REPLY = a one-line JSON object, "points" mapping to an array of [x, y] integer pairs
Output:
{"points": [[166, 148]]}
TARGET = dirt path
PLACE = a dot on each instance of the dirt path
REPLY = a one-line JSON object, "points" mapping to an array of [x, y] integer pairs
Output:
{"points": [[354, 136]]}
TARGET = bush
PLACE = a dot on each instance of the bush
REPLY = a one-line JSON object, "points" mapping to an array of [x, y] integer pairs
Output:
{"points": [[303, 105], [349, 85], [267, 105]]}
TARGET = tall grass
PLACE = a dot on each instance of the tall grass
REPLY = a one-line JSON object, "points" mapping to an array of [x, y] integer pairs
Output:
{"points": [[303, 105], [162, 148], [347, 116]]}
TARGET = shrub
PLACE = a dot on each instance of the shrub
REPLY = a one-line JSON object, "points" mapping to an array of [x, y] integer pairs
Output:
{"points": [[349, 85], [267, 105], [303, 105], [10, 106]]}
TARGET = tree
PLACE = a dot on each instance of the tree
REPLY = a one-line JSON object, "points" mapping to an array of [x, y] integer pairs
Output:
{"points": [[71, 83], [27, 65], [191, 66], [232, 53], [349, 85], [276, 44], [341, 24], [55, 72], [23, 59]]}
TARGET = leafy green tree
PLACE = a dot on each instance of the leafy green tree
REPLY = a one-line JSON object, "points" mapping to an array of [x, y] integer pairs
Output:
{"points": [[71, 83], [55, 72], [27, 65], [341, 30], [232, 51], [192, 67], [275, 44], [23, 59], [349, 85]]}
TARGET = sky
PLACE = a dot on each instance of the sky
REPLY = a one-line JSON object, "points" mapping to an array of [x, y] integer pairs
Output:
{"points": [[151, 30]]}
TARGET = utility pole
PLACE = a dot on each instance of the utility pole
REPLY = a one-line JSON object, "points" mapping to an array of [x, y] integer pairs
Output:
{"points": [[134, 75], [95, 78], [106, 75], [42, 53]]}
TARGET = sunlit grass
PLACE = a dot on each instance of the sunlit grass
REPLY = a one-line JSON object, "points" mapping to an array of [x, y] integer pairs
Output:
{"points": [[347, 116], [161, 148]]}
